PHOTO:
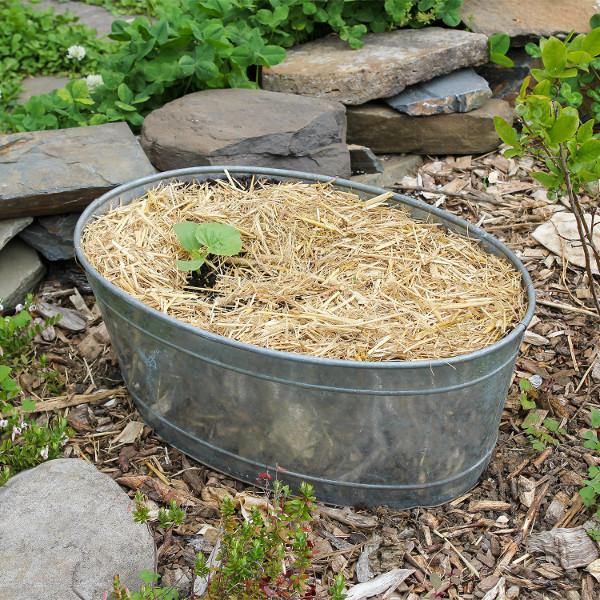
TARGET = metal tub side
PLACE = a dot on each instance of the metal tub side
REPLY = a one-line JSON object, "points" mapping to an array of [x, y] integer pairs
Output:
{"points": [[403, 433]]}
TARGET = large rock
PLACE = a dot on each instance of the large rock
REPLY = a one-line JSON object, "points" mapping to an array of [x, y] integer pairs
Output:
{"points": [[59, 171], [9, 228], [53, 236], [248, 127], [385, 130], [66, 530], [461, 91], [20, 271], [528, 18], [383, 67]]}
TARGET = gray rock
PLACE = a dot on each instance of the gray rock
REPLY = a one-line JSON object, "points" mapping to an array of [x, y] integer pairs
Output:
{"points": [[363, 160], [461, 91], [20, 272], [9, 228], [248, 127], [34, 86], [394, 169], [383, 67], [60, 171], [53, 236], [385, 130], [530, 18], [66, 530]]}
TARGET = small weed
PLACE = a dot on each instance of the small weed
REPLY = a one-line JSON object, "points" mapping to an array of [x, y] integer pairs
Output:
{"points": [[540, 433], [594, 534], [141, 513], [148, 591], [268, 554], [172, 516]]}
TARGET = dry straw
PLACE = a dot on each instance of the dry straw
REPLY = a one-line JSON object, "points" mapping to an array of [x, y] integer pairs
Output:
{"points": [[322, 272]]}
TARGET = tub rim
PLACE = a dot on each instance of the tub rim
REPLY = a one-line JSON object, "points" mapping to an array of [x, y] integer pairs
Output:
{"points": [[480, 234]]}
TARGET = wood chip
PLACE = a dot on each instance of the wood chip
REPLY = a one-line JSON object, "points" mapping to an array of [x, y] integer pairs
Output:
{"points": [[572, 547], [379, 585]]}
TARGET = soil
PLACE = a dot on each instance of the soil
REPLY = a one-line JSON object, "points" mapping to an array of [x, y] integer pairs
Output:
{"points": [[461, 550]]}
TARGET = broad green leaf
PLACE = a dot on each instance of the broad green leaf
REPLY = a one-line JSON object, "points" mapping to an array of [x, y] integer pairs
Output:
{"points": [[551, 424], [586, 131], [554, 55], [501, 59], [595, 415], [124, 93], [124, 106], [272, 55], [499, 43], [28, 405], [205, 70], [219, 238], [507, 133], [580, 58], [588, 495], [190, 265], [186, 234], [533, 50], [565, 127], [65, 95], [589, 151], [595, 21], [4, 372], [591, 43], [546, 179]]}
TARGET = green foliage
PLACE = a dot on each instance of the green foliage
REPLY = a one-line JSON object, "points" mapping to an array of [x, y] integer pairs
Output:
{"points": [[576, 63], [125, 7], [594, 534], [590, 493], [148, 591], [541, 433], [24, 443], [202, 44], [35, 41], [267, 554], [172, 516], [498, 45], [141, 513], [525, 389], [203, 239]]}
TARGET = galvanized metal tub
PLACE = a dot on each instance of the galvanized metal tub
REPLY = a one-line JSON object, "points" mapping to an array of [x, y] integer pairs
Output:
{"points": [[414, 433]]}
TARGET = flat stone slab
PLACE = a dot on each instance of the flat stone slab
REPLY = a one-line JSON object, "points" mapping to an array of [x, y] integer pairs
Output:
{"points": [[9, 228], [34, 86], [60, 171], [248, 127], [53, 236], [387, 131], [461, 91], [20, 272], [383, 67], [66, 530], [528, 18]]}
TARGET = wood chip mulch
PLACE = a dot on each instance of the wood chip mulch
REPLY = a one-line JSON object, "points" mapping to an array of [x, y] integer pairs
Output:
{"points": [[515, 535]]}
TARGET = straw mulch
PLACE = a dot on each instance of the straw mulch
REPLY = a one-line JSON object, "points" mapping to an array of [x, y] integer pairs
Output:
{"points": [[322, 272]]}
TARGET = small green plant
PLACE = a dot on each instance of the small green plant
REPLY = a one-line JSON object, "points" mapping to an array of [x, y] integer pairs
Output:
{"points": [[590, 493], [525, 390], [267, 555], [203, 239], [172, 516], [594, 534], [498, 45], [148, 591], [141, 513], [555, 133]]}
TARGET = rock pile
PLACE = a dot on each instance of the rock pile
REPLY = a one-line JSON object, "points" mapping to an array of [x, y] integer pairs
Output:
{"points": [[406, 91]]}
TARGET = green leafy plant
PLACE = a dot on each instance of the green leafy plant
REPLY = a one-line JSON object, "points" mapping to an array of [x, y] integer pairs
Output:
{"points": [[36, 41], [202, 44], [141, 513], [594, 534], [541, 433], [203, 239], [172, 516], [591, 436], [148, 591], [268, 554], [555, 133], [525, 390], [498, 45], [590, 493]]}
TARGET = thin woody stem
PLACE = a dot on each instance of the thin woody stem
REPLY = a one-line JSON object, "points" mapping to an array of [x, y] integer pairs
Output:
{"points": [[584, 233]]}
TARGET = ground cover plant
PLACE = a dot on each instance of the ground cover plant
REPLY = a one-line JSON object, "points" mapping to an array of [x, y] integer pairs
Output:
{"points": [[36, 41], [202, 44], [24, 441]]}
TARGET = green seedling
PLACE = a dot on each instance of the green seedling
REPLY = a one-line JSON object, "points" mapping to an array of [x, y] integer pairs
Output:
{"points": [[203, 239]]}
